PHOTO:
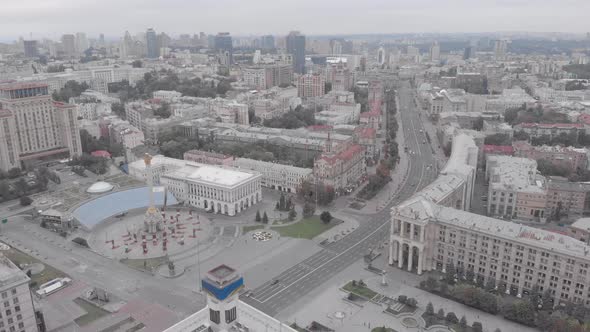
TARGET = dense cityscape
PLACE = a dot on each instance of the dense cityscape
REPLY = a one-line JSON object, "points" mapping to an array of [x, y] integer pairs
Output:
{"points": [[299, 181]]}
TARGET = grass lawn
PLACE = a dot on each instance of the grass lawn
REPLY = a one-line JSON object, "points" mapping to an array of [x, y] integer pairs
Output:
{"points": [[93, 312], [281, 221], [20, 258], [247, 229], [360, 290], [383, 329], [437, 321], [147, 265], [306, 228]]}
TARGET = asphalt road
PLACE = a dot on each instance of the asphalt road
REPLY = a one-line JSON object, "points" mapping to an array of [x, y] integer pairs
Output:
{"points": [[95, 270], [302, 278]]}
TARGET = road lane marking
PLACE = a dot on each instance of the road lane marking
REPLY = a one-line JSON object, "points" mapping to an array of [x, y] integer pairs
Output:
{"points": [[333, 258]]}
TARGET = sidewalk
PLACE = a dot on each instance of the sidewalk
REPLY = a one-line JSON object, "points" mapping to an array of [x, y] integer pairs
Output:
{"points": [[339, 231], [398, 175]]}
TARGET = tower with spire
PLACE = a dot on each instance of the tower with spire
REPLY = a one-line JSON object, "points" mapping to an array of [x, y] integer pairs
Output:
{"points": [[153, 218]]}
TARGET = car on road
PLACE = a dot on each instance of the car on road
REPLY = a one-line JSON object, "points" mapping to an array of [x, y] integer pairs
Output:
{"points": [[274, 282]]}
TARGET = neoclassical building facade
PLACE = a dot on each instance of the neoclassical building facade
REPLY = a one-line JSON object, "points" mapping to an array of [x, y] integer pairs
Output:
{"points": [[433, 231], [218, 189]]}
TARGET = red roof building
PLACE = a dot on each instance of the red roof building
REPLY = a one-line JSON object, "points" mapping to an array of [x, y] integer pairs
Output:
{"points": [[343, 169], [101, 153], [506, 150]]}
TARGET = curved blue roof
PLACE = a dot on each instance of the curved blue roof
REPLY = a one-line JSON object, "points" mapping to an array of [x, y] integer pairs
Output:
{"points": [[93, 212]]}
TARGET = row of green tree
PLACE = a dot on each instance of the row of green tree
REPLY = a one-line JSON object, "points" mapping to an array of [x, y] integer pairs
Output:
{"points": [[535, 115], [536, 309], [450, 319], [376, 182], [16, 185], [71, 89], [168, 80], [96, 165], [581, 71], [90, 144], [312, 192], [361, 96], [392, 151], [297, 118]]}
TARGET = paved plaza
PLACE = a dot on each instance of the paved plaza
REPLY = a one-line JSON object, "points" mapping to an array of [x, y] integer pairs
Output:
{"points": [[125, 237], [324, 305]]}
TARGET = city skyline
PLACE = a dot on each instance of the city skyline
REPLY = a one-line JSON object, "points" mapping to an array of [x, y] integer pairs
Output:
{"points": [[53, 18]]}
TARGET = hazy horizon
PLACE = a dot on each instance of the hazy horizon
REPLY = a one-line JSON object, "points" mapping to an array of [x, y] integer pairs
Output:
{"points": [[52, 18]]}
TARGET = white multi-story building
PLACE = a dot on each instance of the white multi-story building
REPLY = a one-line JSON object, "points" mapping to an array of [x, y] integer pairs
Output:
{"points": [[160, 165], [550, 130], [18, 312], [509, 99], [276, 176], [166, 95], [515, 189], [266, 76], [428, 233], [97, 78], [126, 134], [222, 190], [555, 96], [34, 127], [231, 111]]}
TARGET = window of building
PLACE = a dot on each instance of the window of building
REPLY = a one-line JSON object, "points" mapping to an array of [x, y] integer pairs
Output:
{"points": [[230, 315], [214, 316]]}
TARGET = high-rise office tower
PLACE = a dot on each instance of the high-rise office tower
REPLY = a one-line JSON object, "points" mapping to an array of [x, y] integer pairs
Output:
{"points": [[435, 52], [336, 47], [224, 46], [34, 127], [500, 48], [81, 42], [127, 45], [267, 42], [31, 50], [296, 47], [68, 43], [468, 53], [381, 56], [153, 50]]}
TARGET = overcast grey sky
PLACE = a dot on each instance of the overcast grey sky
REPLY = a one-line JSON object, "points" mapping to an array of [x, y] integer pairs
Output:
{"points": [[51, 18]]}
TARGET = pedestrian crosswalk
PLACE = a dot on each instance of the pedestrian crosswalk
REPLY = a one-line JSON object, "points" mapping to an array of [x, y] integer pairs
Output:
{"points": [[397, 306]]}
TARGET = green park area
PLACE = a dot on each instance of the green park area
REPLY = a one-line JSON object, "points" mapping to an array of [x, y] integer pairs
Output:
{"points": [[359, 289], [306, 228], [383, 329]]}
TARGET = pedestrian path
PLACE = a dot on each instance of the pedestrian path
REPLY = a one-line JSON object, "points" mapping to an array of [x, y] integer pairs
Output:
{"points": [[398, 175]]}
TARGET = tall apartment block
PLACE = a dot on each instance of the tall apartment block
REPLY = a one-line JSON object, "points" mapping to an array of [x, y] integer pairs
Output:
{"points": [[18, 312], [34, 128]]}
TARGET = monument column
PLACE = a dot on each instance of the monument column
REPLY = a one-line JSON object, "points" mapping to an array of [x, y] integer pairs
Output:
{"points": [[410, 257], [420, 258]]}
